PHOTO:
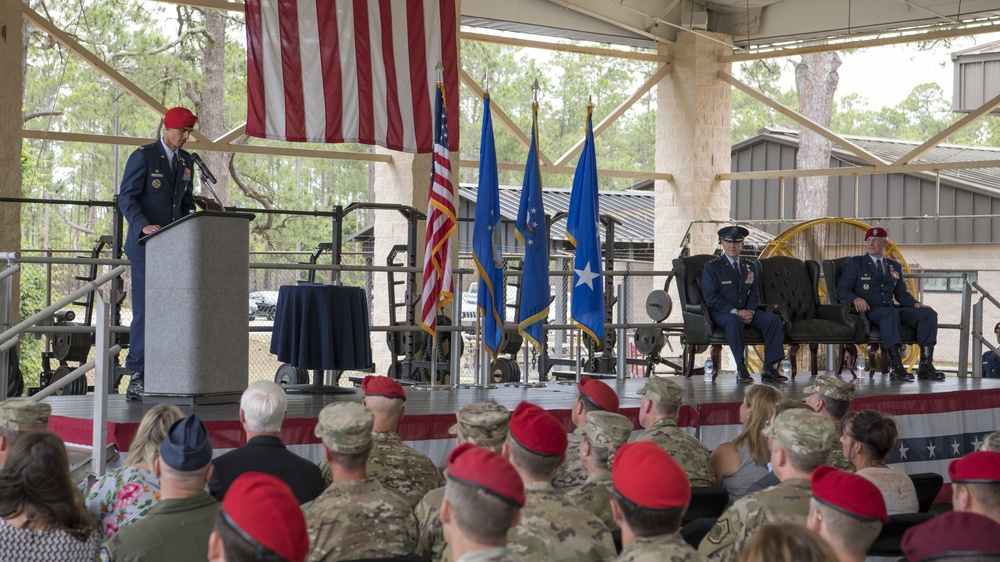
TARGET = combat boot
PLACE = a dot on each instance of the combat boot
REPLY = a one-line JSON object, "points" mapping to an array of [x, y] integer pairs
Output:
{"points": [[771, 374], [742, 375], [926, 370], [897, 372], [136, 388]]}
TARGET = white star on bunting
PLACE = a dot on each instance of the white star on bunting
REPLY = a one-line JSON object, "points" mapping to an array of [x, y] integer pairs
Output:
{"points": [[930, 450], [903, 450], [956, 448], [977, 443]]}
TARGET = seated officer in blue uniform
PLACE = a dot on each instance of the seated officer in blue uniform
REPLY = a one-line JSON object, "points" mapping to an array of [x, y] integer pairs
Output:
{"points": [[731, 288], [156, 191], [874, 284], [991, 363]]}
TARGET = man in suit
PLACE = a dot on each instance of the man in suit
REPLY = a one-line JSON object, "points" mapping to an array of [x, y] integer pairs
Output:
{"points": [[155, 191], [731, 288], [262, 411], [874, 284]]}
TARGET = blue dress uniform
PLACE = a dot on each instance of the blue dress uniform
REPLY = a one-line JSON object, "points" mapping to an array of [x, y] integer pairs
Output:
{"points": [[727, 289], [991, 363], [150, 194]]}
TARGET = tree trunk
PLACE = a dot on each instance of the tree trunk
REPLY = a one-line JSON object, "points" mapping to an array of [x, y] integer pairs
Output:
{"points": [[816, 81], [210, 104]]}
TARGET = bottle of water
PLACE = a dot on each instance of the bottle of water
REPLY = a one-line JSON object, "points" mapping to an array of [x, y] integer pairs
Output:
{"points": [[786, 367], [708, 368], [860, 366]]}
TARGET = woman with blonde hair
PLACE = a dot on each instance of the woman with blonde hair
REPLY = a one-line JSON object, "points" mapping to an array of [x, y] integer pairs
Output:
{"points": [[743, 461], [41, 515], [788, 542], [126, 494]]}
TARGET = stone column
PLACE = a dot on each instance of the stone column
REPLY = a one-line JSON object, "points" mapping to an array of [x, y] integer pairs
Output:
{"points": [[692, 142], [10, 131]]}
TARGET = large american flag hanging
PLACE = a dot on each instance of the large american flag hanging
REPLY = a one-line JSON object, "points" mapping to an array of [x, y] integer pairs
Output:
{"points": [[361, 71], [439, 285]]}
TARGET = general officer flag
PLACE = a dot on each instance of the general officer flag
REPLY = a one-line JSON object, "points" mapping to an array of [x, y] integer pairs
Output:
{"points": [[487, 243], [532, 232], [587, 309]]}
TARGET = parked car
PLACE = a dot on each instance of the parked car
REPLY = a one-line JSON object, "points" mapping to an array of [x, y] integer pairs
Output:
{"points": [[267, 304], [470, 300], [253, 310]]}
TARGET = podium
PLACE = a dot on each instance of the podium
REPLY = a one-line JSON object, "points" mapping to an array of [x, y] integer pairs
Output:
{"points": [[197, 333]]}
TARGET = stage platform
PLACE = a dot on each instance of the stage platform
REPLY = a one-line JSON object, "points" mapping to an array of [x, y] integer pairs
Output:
{"points": [[939, 421]]}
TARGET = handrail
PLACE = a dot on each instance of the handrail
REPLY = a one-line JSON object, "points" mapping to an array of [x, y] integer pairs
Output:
{"points": [[8, 271]]}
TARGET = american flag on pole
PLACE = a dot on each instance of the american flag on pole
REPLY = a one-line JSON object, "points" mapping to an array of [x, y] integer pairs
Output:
{"points": [[335, 71], [441, 223]]}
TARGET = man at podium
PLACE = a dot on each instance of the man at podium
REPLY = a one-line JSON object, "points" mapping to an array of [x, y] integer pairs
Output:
{"points": [[156, 190]]}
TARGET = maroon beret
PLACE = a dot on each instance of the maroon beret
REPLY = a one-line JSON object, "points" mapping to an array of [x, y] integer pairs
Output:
{"points": [[997, 327], [876, 231], [179, 118], [382, 386], [848, 493], [599, 394], [486, 470], [648, 476], [538, 431], [263, 509], [976, 468], [957, 532]]}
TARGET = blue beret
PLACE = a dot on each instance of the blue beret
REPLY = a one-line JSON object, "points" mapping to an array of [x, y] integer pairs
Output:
{"points": [[186, 446], [733, 233]]}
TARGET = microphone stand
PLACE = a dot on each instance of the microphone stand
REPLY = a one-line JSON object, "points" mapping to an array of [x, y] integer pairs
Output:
{"points": [[206, 183]]}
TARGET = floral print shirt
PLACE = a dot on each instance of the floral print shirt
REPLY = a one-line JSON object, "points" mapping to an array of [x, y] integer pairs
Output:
{"points": [[123, 496]]}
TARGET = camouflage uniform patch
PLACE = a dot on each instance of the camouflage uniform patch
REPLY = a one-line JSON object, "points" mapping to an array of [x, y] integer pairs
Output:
{"points": [[553, 529], [594, 496], [359, 519], [430, 533], [686, 450], [402, 469], [571, 473], [666, 548]]}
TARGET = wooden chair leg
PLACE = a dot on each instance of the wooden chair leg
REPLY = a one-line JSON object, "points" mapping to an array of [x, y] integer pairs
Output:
{"points": [[813, 359], [689, 361], [793, 351], [849, 353], [716, 358], [883, 365]]}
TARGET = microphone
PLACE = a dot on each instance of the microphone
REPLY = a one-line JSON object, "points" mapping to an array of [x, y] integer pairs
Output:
{"points": [[205, 172]]}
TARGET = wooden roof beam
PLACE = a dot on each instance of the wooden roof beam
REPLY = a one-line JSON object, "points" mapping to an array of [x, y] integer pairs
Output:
{"points": [[949, 131]]}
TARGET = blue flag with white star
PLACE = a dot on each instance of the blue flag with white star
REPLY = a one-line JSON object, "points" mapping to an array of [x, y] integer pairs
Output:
{"points": [[532, 232], [587, 309], [487, 242]]}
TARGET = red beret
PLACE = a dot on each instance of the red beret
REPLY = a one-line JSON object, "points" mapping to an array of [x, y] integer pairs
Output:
{"points": [[976, 468], [263, 509], [956, 532], [538, 431], [486, 470], [179, 118], [382, 386], [997, 327], [648, 476], [599, 394], [849, 493], [876, 231]]}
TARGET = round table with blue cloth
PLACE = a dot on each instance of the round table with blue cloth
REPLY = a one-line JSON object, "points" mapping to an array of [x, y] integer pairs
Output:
{"points": [[322, 327]]}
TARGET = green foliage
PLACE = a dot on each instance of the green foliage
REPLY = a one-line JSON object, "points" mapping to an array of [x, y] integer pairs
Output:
{"points": [[750, 115], [32, 300]]}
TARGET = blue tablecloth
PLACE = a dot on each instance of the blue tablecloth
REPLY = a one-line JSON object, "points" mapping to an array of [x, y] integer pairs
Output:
{"points": [[322, 327]]}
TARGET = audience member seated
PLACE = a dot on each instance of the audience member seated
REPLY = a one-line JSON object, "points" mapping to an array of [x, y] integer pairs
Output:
{"points": [[41, 513], [260, 521], [594, 395], [975, 484], [867, 437], [125, 495], [552, 528], [770, 479], [953, 536], [603, 434], [661, 400], [786, 543], [651, 493], [178, 525], [832, 397], [991, 363], [482, 502], [743, 461], [992, 442], [847, 511], [263, 408], [484, 424], [800, 442], [17, 416], [356, 517]]}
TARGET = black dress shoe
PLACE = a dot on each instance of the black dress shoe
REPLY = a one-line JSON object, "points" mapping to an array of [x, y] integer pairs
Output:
{"points": [[136, 387], [743, 376], [771, 375]]}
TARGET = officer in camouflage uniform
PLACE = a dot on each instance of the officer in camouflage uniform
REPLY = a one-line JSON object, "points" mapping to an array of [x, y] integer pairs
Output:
{"points": [[398, 467], [651, 493], [603, 433], [800, 442], [552, 528], [661, 400], [594, 395], [178, 526], [356, 517], [832, 397], [482, 501], [18, 415], [484, 424]]}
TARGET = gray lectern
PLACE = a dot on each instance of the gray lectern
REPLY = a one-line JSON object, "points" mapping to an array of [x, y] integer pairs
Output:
{"points": [[197, 334]]}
